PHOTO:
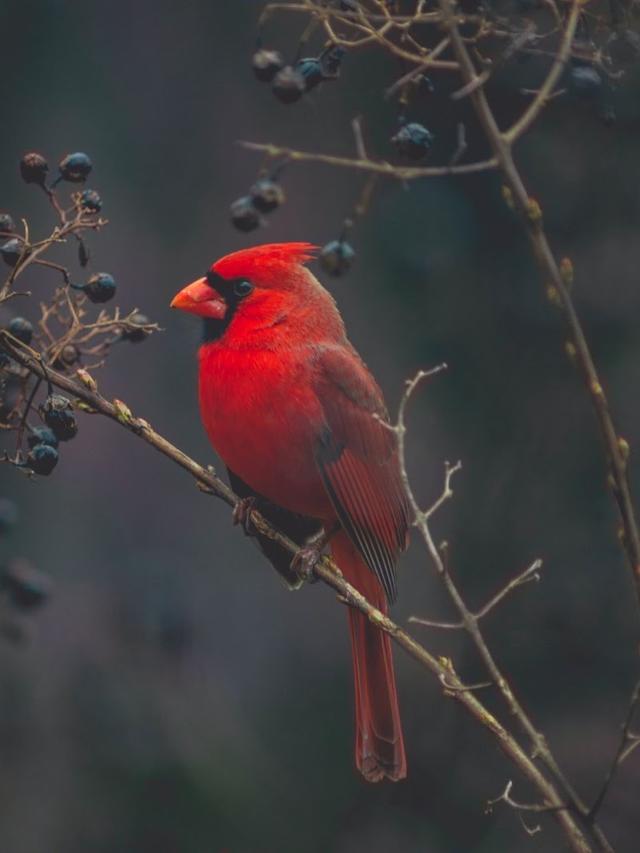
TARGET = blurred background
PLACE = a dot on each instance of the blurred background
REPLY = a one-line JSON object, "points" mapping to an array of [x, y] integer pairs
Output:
{"points": [[175, 698]]}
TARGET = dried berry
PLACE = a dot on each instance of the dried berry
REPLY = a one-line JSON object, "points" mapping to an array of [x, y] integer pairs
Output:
{"points": [[413, 140], [266, 64], [67, 357], [21, 329], [83, 254], [7, 224], [26, 586], [136, 335], [331, 60], [42, 459], [289, 85], [585, 81], [337, 257], [58, 414], [75, 167], [311, 71], [244, 215], [266, 195], [34, 168], [90, 200], [11, 252], [42, 435], [101, 287]]}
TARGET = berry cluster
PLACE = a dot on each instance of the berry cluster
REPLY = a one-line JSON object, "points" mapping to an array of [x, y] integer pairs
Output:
{"points": [[265, 196], [289, 82], [64, 338]]}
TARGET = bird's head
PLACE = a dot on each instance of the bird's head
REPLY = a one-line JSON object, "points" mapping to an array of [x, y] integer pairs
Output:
{"points": [[254, 288]]}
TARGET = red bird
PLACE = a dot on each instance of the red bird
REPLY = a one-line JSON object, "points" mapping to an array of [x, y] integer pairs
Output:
{"points": [[295, 415]]}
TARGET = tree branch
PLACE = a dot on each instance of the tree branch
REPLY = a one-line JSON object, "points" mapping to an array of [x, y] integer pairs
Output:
{"points": [[441, 668]]}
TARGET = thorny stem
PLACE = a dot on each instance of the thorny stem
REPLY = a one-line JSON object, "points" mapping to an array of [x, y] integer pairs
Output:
{"points": [[441, 668]]}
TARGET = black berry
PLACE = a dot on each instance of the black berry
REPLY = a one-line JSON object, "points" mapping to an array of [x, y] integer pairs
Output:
{"points": [[266, 195], [59, 416], [311, 71], [101, 287], [42, 459], [42, 435], [11, 252], [266, 64], [244, 215], [34, 168], [75, 167], [21, 329], [90, 200], [289, 85], [136, 335], [67, 357], [337, 257], [7, 224], [585, 81], [413, 140], [26, 586]]}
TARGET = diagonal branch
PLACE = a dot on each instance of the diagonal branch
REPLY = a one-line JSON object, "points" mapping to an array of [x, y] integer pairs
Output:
{"points": [[441, 668]]}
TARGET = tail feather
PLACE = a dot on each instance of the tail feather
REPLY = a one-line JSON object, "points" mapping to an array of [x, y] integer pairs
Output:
{"points": [[379, 743]]}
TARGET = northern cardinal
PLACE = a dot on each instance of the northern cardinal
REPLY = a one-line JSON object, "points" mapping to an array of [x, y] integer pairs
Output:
{"points": [[297, 418]]}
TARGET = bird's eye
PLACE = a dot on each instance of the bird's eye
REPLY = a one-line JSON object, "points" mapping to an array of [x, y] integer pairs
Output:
{"points": [[242, 288]]}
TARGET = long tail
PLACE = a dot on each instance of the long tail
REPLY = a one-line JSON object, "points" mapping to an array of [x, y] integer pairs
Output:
{"points": [[379, 743]]}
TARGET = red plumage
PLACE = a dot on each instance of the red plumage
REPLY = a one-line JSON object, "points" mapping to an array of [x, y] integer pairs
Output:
{"points": [[298, 419]]}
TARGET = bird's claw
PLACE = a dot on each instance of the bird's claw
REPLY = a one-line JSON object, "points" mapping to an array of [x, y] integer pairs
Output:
{"points": [[304, 562], [242, 514]]}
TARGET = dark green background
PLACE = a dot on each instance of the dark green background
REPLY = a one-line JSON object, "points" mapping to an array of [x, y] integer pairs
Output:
{"points": [[176, 699]]}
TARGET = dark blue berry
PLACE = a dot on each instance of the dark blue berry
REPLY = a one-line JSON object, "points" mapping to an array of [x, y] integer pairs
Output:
{"points": [[311, 71], [244, 215], [585, 81], [136, 335], [34, 168], [90, 200], [21, 329], [25, 585], [42, 435], [58, 414], [413, 140], [266, 64], [75, 167], [42, 459], [11, 252], [289, 85], [101, 287], [266, 195], [337, 257]]}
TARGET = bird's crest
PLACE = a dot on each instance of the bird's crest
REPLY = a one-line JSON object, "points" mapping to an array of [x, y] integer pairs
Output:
{"points": [[270, 255]]}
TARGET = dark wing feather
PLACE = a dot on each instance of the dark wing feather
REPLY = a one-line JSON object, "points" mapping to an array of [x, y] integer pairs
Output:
{"points": [[296, 527], [358, 461]]}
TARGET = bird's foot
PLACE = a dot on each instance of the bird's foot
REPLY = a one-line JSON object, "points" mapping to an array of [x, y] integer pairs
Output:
{"points": [[242, 514], [305, 560], [308, 557]]}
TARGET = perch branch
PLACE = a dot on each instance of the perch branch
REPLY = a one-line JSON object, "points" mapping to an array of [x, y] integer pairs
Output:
{"points": [[441, 668]]}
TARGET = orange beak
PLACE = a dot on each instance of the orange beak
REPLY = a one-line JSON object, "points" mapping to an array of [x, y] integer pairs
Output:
{"points": [[201, 299]]}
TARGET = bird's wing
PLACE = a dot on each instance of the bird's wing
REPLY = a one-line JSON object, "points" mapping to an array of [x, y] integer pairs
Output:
{"points": [[296, 527], [357, 457]]}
